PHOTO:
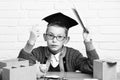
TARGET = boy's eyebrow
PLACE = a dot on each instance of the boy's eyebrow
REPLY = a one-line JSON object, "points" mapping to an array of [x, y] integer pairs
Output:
{"points": [[54, 34], [49, 33]]}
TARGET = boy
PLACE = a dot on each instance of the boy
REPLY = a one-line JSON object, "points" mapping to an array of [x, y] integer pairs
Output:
{"points": [[57, 56]]}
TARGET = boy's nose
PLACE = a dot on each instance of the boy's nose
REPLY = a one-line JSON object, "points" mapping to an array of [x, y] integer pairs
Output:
{"points": [[54, 39]]}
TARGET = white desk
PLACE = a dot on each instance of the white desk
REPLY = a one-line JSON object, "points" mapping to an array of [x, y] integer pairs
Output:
{"points": [[75, 75]]}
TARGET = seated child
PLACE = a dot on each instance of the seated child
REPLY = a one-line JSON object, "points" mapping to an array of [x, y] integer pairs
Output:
{"points": [[56, 55]]}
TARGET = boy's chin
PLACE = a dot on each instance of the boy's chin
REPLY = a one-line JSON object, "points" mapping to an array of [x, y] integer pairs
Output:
{"points": [[54, 49]]}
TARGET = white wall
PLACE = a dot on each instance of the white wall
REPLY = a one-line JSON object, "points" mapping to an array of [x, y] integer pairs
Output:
{"points": [[101, 17]]}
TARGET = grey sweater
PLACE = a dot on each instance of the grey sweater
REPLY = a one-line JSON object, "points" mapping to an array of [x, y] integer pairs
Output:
{"points": [[71, 60]]}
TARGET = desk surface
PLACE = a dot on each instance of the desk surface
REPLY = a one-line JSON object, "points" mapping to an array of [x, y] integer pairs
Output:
{"points": [[75, 75]]}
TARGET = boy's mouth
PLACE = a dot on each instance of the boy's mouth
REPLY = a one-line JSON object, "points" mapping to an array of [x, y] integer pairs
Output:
{"points": [[53, 46]]}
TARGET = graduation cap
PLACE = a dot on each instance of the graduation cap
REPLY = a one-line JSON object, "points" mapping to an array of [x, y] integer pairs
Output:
{"points": [[61, 20]]}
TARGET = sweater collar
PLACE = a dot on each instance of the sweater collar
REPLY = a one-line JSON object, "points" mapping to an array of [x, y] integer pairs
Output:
{"points": [[62, 55], [48, 52]]}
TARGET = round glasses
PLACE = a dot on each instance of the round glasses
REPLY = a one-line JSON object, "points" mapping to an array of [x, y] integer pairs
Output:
{"points": [[51, 37]]}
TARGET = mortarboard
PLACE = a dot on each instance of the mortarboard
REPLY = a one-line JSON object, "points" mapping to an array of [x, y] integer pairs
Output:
{"points": [[60, 19]]}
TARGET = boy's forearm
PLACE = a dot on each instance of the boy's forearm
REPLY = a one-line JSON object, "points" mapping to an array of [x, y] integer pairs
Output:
{"points": [[90, 49], [28, 47], [88, 45]]}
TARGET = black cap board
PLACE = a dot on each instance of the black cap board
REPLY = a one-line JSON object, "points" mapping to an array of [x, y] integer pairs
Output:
{"points": [[61, 20]]}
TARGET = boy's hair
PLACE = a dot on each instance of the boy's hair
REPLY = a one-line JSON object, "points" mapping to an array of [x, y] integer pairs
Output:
{"points": [[60, 25]]}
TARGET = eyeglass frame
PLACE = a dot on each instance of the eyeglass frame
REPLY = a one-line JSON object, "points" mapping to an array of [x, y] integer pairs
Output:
{"points": [[53, 36]]}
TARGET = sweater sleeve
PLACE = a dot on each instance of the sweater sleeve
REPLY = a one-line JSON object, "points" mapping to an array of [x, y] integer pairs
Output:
{"points": [[85, 64], [90, 50], [35, 54], [27, 56]]}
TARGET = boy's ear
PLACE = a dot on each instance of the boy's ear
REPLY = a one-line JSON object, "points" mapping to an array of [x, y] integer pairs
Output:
{"points": [[67, 40], [44, 36]]}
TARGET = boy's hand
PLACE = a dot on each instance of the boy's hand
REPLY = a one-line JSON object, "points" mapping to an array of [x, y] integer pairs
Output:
{"points": [[86, 36], [34, 34], [88, 41]]}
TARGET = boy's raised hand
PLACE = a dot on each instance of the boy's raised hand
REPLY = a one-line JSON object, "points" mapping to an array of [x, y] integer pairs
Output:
{"points": [[34, 34], [86, 36]]}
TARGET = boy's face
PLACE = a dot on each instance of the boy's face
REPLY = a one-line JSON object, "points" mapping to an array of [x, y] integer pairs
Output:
{"points": [[55, 37]]}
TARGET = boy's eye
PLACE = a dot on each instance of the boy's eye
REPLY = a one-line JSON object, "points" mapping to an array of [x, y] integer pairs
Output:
{"points": [[60, 36], [50, 35]]}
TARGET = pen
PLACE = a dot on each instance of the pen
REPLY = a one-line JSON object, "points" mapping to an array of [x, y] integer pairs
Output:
{"points": [[77, 15]]}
